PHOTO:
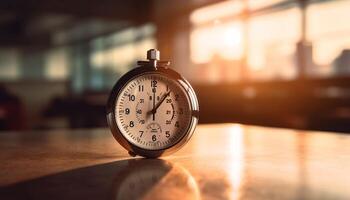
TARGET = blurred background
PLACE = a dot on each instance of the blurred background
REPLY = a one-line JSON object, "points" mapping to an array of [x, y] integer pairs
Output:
{"points": [[282, 63]]}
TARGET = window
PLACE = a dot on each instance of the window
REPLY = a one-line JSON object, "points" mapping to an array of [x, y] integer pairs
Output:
{"points": [[104, 60], [266, 40], [272, 45], [328, 30], [9, 64], [57, 64]]}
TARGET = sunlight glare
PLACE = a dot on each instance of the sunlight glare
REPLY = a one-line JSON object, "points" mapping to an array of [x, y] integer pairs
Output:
{"points": [[223, 40], [236, 164]]}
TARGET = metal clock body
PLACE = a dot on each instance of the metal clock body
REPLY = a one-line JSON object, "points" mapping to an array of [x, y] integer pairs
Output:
{"points": [[152, 110]]}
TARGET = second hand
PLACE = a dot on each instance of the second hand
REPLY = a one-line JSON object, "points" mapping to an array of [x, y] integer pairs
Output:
{"points": [[154, 103]]}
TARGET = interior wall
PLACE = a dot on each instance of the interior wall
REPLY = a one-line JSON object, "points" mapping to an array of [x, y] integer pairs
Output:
{"points": [[35, 96]]}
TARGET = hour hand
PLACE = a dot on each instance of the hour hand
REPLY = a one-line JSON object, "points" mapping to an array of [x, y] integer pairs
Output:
{"points": [[154, 110]]}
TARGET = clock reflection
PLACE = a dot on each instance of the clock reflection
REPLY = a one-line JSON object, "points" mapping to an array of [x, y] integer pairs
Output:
{"points": [[154, 179]]}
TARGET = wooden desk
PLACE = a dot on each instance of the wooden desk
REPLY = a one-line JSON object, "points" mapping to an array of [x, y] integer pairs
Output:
{"points": [[222, 161]]}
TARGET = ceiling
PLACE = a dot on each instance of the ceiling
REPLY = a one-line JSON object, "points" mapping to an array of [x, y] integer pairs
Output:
{"points": [[33, 22]]}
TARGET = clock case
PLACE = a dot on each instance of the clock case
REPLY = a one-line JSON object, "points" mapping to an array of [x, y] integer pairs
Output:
{"points": [[139, 71]]}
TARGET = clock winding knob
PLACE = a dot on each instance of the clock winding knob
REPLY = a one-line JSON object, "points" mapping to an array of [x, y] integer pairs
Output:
{"points": [[153, 54]]}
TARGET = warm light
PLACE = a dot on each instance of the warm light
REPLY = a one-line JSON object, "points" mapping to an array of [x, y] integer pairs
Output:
{"points": [[236, 164], [256, 4], [216, 11], [220, 40], [328, 29], [270, 43], [217, 41], [231, 36], [57, 64], [272, 40]]}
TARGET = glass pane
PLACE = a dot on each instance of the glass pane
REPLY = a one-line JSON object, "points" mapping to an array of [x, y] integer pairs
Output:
{"points": [[9, 64], [114, 55], [216, 11], [217, 51], [224, 40], [256, 4], [328, 30], [272, 45], [218, 43], [57, 64]]}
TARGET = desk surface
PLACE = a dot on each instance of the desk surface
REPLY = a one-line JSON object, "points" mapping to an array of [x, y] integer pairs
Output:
{"points": [[222, 161]]}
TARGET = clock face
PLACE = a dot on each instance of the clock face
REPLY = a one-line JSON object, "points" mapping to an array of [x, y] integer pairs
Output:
{"points": [[153, 111]]}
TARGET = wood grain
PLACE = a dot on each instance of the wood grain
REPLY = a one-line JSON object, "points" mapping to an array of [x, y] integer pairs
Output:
{"points": [[221, 161]]}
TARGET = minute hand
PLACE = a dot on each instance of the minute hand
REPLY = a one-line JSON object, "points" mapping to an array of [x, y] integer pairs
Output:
{"points": [[154, 110]]}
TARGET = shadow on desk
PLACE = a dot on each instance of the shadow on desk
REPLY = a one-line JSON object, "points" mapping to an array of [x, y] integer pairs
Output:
{"points": [[126, 179]]}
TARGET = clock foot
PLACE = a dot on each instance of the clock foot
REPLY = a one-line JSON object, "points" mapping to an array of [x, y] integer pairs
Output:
{"points": [[132, 154]]}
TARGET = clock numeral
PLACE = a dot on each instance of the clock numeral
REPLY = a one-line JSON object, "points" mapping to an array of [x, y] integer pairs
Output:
{"points": [[139, 111], [131, 97], [168, 100], [141, 133], [176, 97], [127, 111], [142, 101], [167, 134], [177, 124], [154, 83], [167, 122], [154, 138], [131, 124], [140, 88]]}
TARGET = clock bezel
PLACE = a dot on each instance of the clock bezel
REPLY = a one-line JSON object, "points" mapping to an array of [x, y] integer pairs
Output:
{"points": [[118, 87]]}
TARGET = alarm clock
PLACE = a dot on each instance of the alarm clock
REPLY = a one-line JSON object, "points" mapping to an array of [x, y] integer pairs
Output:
{"points": [[152, 110]]}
